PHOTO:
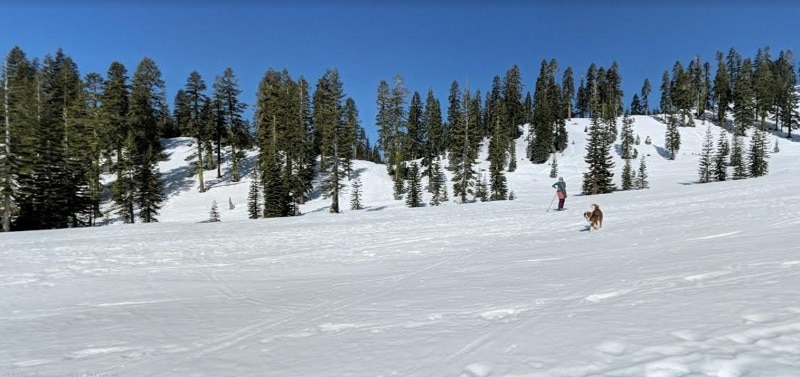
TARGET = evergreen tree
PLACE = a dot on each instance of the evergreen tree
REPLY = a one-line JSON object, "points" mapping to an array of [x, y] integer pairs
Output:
{"points": [[764, 86], [546, 116], [706, 157], [254, 197], [567, 92], [758, 154], [681, 93], [626, 137], [722, 89], [432, 123], [554, 168], [414, 196], [463, 153], [636, 105], [598, 180], [720, 172], [744, 100], [226, 92], [328, 116], [355, 195], [18, 139], [391, 121], [737, 158], [666, 96], [498, 146], [399, 180], [350, 127], [275, 193], [455, 116], [672, 139], [645, 99], [214, 214], [627, 176], [147, 103], [93, 88], [641, 177], [787, 99], [481, 189], [438, 185], [193, 100], [512, 97], [115, 108], [416, 134]]}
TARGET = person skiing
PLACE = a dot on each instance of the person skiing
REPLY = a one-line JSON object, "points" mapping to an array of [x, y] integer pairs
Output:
{"points": [[561, 192]]}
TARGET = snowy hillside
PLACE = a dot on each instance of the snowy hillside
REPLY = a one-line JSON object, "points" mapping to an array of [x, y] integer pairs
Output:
{"points": [[683, 280]]}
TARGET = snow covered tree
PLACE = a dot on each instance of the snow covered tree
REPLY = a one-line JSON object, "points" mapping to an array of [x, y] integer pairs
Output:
{"points": [[355, 195], [706, 157], [414, 192], [758, 154]]}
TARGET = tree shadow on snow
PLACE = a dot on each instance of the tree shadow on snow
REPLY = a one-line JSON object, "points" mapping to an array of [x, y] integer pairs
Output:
{"points": [[369, 209], [662, 152]]}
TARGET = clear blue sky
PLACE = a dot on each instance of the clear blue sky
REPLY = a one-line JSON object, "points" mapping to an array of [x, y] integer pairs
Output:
{"points": [[429, 43]]}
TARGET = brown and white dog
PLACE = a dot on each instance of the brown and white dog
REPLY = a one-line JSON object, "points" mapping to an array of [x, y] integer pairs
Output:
{"points": [[594, 217]]}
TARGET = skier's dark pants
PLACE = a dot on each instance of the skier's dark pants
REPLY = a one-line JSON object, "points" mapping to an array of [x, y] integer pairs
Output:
{"points": [[561, 203]]}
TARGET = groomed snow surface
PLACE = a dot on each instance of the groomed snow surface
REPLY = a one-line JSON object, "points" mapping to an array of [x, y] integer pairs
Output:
{"points": [[683, 279]]}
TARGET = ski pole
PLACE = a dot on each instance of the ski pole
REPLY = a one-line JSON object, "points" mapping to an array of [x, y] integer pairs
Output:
{"points": [[551, 202]]}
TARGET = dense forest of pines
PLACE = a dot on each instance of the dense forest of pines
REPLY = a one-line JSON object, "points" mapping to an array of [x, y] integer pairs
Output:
{"points": [[61, 132]]}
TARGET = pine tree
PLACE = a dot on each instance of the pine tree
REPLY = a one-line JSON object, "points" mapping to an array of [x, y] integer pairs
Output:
{"points": [[328, 116], [355, 195], [348, 137], [764, 86], [93, 88], [627, 176], [432, 123], [567, 92], [626, 137], [414, 143], [438, 185], [482, 189], [722, 89], [498, 146], [598, 180], [666, 96], [226, 92], [645, 99], [636, 105], [706, 157], [195, 125], [721, 157], [641, 177], [512, 97], [546, 116], [758, 154], [463, 152], [275, 193], [214, 214], [672, 139], [775, 149], [737, 158], [744, 100], [391, 120], [254, 197], [414, 192]]}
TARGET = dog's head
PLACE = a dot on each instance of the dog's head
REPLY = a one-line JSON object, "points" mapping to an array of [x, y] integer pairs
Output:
{"points": [[587, 215]]}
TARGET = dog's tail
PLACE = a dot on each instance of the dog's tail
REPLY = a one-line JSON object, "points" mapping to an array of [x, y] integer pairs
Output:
{"points": [[596, 206]]}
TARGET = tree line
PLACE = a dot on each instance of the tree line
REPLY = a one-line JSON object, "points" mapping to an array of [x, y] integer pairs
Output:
{"points": [[64, 134]]}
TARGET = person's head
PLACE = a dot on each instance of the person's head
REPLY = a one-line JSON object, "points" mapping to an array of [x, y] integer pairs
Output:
{"points": [[561, 179]]}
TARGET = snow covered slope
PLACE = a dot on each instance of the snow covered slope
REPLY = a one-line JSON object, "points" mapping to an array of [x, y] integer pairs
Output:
{"points": [[683, 280]]}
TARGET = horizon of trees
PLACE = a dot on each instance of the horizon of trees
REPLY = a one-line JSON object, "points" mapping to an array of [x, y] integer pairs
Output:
{"points": [[61, 131]]}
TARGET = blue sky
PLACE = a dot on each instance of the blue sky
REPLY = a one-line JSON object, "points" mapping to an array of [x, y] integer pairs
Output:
{"points": [[429, 43]]}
